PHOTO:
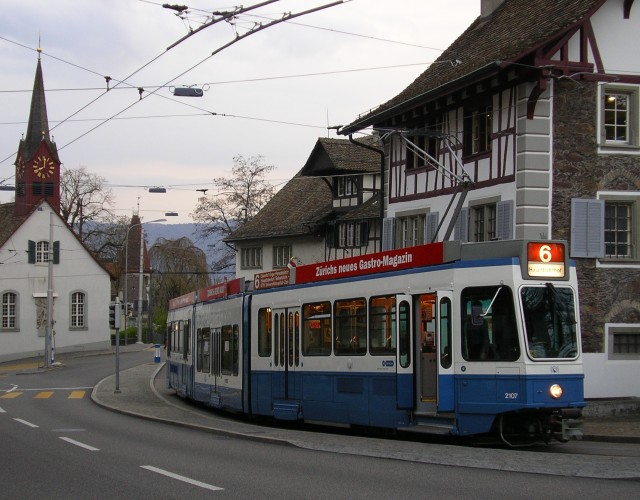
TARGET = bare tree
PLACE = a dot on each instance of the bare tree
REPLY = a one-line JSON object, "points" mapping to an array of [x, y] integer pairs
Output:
{"points": [[84, 198], [240, 197]]}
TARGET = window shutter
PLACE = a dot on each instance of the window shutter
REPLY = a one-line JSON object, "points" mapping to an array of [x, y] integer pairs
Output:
{"points": [[504, 220], [31, 252], [388, 233], [56, 252], [587, 228], [461, 229], [432, 226]]}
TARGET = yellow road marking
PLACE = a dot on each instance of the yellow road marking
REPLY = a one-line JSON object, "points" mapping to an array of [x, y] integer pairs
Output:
{"points": [[44, 395], [10, 395], [77, 394]]}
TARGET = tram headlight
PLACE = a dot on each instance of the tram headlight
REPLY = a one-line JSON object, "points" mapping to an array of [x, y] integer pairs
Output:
{"points": [[555, 391]]}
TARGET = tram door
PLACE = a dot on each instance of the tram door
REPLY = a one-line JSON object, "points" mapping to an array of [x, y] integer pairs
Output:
{"points": [[434, 369], [426, 352], [404, 349], [286, 353]]}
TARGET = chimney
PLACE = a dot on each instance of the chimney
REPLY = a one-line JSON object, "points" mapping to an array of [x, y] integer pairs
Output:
{"points": [[488, 6]]}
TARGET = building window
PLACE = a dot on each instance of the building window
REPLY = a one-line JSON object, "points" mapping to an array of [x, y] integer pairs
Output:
{"points": [[347, 186], [42, 251], [352, 234], [606, 228], [478, 127], [251, 258], [78, 310], [483, 222], [410, 230], [281, 255], [623, 341], [619, 116], [9, 311], [415, 147], [617, 230]]}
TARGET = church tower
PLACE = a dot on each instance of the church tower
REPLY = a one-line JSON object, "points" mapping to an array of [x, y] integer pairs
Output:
{"points": [[37, 163]]}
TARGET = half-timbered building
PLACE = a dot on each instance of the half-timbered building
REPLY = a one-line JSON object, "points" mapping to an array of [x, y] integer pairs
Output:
{"points": [[528, 126], [329, 210]]}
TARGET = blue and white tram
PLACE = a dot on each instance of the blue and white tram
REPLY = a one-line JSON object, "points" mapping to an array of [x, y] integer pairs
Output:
{"points": [[446, 338]]}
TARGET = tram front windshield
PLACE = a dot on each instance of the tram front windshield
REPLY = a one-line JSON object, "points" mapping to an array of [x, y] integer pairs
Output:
{"points": [[550, 321]]}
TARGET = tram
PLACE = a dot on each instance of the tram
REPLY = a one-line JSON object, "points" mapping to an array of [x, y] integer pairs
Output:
{"points": [[447, 338]]}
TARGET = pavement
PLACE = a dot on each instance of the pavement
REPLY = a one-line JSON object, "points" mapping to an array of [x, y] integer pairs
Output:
{"points": [[142, 393]]}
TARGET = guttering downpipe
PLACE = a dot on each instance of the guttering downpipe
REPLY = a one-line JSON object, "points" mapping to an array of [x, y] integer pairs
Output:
{"points": [[366, 146]]}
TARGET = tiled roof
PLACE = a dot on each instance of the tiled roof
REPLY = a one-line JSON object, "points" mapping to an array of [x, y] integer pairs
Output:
{"points": [[306, 201], [342, 156], [9, 222], [514, 30], [293, 211]]}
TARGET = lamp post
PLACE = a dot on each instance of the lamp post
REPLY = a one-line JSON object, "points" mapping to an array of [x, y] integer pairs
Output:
{"points": [[126, 276]]}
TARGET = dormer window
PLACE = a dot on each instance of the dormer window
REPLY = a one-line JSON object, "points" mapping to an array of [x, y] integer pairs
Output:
{"points": [[347, 186]]}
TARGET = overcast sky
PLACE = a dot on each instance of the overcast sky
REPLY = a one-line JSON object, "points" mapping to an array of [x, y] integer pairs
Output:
{"points": [[274, 93]]}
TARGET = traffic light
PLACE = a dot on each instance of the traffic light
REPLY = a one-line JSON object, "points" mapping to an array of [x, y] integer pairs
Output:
{"points": [[114, 315]]}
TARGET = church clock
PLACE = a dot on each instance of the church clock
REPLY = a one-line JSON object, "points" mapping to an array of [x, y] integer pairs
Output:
{"points": [[43, 167]]}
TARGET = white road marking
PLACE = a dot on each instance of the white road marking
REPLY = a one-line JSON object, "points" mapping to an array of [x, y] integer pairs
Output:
{"points": [[181, 478], [12, 389], [25, 422], [78, 443], [2, 411]]}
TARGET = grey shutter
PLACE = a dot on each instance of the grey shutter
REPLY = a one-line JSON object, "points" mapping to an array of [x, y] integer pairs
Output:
{"points": [[461, 229], [388, 233], [432, 226], [587, 228], [504, 220]]}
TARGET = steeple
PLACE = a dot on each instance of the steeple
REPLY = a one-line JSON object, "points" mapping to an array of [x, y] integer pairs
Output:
{"points": [[37, 162], [38, 127]]}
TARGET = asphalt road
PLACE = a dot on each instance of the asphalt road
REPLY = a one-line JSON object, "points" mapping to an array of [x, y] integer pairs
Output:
{"points": [[67, 447]]}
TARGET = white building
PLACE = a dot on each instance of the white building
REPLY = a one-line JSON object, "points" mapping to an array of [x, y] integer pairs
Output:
{"points": [[32, 234]]}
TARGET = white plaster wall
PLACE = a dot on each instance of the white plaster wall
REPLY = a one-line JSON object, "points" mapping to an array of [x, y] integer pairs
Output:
{"points": [[605, 378], [77, 271]]}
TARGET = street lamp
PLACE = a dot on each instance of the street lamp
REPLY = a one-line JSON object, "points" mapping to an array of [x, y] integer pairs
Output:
{"points": [[126, 276]]}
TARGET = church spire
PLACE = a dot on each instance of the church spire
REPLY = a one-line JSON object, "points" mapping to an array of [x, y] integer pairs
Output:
{"points": [[38, 127], [37, 161]]}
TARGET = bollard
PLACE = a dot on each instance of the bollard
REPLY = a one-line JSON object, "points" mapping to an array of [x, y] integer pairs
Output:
{"points": [[156, 358]]}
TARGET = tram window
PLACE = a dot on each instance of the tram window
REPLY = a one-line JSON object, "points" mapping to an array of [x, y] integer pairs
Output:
{"points": [[264, 332], [316, 329], [281, 339], [489, 329], [445, 333], [291, 343], [382, 325], [168, 339], [227, 352], [204, 350], [350, 333], [186, 339], [296, 324], [550, 321], [235, 349], [276, 350], [404, 334]]}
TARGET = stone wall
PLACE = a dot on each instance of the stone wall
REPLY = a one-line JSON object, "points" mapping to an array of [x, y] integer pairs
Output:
{"points": [[607, 295]]}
